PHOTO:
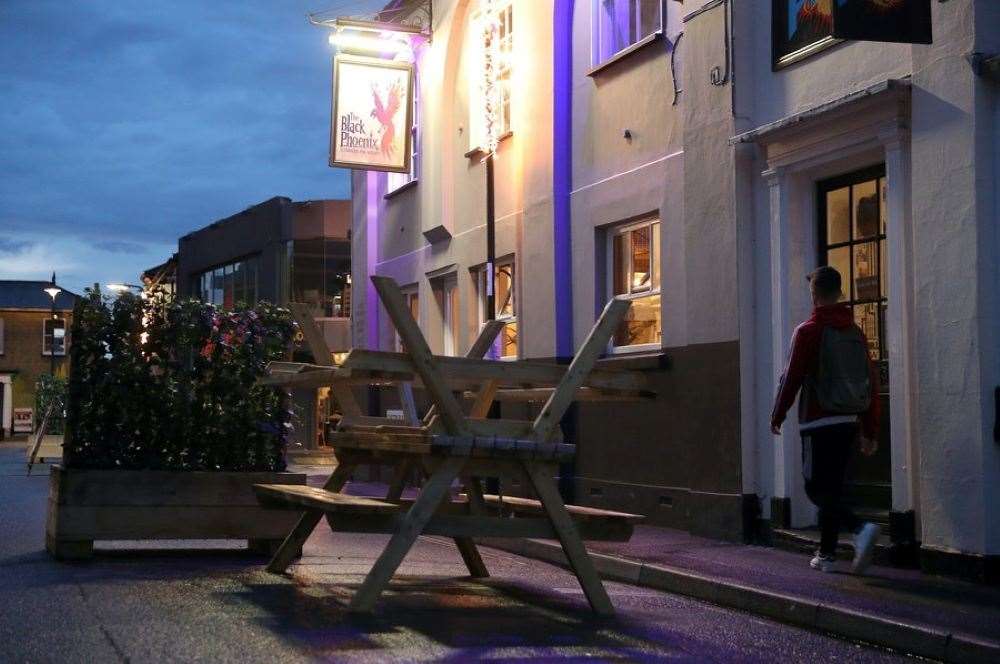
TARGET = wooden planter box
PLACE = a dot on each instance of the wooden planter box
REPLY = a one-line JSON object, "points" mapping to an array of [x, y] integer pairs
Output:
{"points": [[89, 505]]}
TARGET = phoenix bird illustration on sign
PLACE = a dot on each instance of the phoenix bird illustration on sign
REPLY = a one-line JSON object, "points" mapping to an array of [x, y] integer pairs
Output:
{"points": [[385, 113]]}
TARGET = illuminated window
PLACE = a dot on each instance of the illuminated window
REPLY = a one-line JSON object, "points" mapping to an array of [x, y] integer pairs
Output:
{"points": [[634, 266], [54, 336], [506, 345], [504, 49], [618, 24]]}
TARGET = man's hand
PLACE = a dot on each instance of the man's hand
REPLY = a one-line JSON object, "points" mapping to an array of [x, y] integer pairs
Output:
{"points": [[868, 445]]}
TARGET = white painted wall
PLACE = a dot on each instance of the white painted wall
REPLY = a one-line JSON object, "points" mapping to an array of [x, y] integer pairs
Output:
{"points": [[955, 267], [954, 472], [451, 189]]}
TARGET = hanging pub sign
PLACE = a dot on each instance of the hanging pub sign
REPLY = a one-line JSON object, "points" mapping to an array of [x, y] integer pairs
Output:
{"points": [[906, 21], [370, 127]]}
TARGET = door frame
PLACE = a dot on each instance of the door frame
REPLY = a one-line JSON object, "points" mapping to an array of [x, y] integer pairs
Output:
{"points": [[846, 138]]}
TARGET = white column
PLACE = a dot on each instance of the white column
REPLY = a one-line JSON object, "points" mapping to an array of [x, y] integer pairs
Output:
{"points": [[899, 318], [781, 324]]}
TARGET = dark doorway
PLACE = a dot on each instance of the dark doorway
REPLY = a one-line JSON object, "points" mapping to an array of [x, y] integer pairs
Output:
{"points": [[852, 238]]}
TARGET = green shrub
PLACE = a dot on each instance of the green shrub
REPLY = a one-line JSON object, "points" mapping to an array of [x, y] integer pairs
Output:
{"points": [[167, 384], [51, 391]]}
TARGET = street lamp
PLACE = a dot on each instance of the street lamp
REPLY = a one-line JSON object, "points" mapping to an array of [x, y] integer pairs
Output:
{"points": [[53, 292]]}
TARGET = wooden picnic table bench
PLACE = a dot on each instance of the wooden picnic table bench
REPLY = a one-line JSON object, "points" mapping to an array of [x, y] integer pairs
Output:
{"points": [[452, 444]]}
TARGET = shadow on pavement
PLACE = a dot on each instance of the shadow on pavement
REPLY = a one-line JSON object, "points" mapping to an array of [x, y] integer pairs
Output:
{"points": [[453, 614]]}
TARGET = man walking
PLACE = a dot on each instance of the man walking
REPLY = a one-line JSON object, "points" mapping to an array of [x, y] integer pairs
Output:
{"points": [[838, 408]]}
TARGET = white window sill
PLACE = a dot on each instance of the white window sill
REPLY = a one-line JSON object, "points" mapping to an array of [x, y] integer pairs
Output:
{"points": [[625, 52], [400, 189], [479, 151]]}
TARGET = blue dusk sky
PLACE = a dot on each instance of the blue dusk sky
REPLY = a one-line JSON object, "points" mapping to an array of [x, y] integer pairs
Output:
{"points": [[128, 123]]}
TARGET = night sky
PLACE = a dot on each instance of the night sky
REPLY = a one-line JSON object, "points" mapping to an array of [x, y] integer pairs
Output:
{"points": [[125, 124]]}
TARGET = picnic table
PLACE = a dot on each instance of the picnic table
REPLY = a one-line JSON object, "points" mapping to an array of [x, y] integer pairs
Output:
{"points": [[450, 444]]}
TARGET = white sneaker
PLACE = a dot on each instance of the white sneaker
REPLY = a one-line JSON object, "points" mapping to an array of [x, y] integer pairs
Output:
{"points": [[864, 546], [822, 563]]}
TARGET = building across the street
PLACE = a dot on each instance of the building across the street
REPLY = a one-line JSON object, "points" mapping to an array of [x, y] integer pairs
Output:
{"points": [[34, 340], [700, 158], [162, 276], [278, 251]]}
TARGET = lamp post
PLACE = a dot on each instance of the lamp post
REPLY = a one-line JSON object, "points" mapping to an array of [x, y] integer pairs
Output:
{"points": [[491, 119], [53, 292]]}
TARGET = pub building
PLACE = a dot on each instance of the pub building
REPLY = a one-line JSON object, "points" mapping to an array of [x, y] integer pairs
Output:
{"points": [[699, 158]]}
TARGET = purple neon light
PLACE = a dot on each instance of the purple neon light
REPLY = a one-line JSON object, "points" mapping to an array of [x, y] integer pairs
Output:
{"points": [[371, 257], [562, 172]]}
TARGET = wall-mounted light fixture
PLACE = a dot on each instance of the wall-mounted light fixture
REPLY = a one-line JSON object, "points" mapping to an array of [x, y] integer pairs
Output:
{"points": [[373, 38]]}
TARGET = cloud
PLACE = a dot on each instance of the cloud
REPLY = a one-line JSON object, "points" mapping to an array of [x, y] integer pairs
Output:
{"points": [[79, 264], [146, 121], [119, 247], [13, 246]]}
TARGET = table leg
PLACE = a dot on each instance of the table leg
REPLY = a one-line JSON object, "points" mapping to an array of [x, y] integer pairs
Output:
{"points": [[569, 537], [398, 481], [466, 545], [291, 548], [409, 529]]}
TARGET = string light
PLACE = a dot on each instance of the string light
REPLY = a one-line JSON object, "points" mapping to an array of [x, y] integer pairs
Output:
{"points": [[490, 80]]}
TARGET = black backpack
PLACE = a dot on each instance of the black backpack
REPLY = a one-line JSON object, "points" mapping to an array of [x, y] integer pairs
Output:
{"points": [[843, 382]]}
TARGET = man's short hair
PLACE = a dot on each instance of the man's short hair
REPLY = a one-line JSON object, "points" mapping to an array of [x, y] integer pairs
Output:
{"points": [[826, 282]]}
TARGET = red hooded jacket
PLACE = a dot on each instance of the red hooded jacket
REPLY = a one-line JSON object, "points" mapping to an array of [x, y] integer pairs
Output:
{"points": [[803, 360]]}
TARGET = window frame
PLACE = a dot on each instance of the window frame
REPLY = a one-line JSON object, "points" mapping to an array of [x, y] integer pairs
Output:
{"points": [[650, 221], [496, 348], [45, 321], [206, 280], [598, 60]]}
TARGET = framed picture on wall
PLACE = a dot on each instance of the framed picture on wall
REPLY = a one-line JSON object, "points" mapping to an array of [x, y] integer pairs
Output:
{"points": [[800, 28], [903, 21]]}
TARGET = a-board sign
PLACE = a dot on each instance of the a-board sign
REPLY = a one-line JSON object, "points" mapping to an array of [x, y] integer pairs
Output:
{"points": [[24, 420]]}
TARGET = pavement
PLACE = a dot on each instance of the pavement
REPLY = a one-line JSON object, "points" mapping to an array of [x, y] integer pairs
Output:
{"points": [[213, 602], [903, 609]]}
